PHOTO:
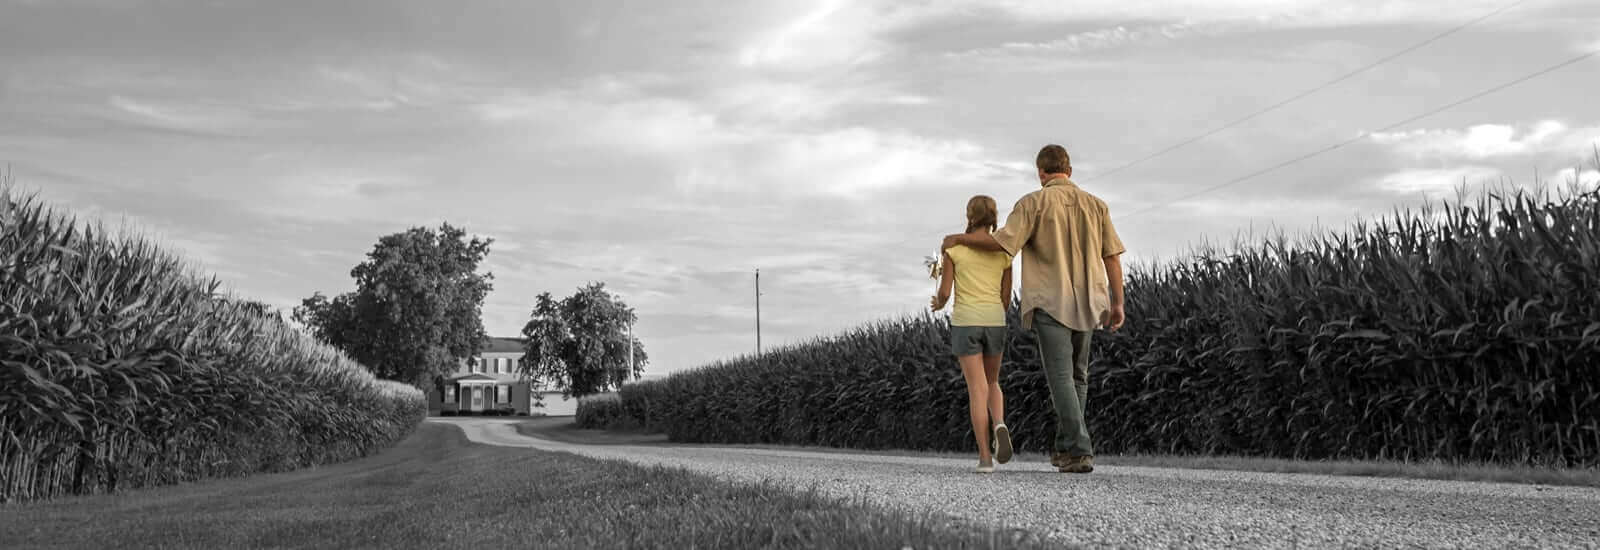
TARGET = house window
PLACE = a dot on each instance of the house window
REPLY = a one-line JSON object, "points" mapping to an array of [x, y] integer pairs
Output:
{"points": [[450, 393], [502, 394]]}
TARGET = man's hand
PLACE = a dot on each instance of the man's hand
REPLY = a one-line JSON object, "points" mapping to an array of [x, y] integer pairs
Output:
{"points": [[1112, 318], [979, 241], [937, 303], [949, 241]]}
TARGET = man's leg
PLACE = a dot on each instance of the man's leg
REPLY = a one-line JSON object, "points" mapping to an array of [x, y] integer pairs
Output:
{"points": [[1080, 372], [1056, 352]]}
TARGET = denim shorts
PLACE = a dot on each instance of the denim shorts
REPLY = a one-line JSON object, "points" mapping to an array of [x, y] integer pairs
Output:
{"points": [[989, 341]]}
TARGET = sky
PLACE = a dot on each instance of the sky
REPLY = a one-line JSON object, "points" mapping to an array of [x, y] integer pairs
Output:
{"points": [[670, 149]]}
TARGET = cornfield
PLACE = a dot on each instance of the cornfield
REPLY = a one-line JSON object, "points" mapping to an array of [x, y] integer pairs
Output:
{"points": [[120, 368], [1461, 332], [604, 412]]}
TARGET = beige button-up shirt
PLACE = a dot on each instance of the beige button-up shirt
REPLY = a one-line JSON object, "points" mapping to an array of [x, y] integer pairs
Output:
{"points": [[1063, 234]]}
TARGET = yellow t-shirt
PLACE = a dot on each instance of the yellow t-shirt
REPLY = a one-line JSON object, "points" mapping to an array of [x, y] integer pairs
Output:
{"points": [[977, 287]]}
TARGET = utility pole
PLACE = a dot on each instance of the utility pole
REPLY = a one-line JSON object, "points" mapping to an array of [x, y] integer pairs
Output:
{"points": [[758, 312]]}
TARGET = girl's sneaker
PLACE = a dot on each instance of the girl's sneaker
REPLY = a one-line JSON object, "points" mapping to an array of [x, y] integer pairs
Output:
{"points": [[1002, 443], [985, 467]]}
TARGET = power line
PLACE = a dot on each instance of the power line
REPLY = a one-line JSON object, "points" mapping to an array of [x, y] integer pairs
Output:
{"points": [[1367, 134], [1302, 95]]}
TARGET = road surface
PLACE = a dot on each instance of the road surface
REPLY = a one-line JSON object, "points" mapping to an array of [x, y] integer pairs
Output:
{"points": [[1143, 507]]}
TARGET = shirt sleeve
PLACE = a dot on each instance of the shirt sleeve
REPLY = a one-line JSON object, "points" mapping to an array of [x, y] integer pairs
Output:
{"points": [[1110, 243], [954, 253], [1018, 229]]}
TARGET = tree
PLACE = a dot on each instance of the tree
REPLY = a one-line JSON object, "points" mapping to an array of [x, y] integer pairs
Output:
{"points": [[580, 345], [417, 308]]}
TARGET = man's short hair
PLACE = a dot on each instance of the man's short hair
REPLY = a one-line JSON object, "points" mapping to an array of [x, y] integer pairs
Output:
{"points": [[1053, 159]]}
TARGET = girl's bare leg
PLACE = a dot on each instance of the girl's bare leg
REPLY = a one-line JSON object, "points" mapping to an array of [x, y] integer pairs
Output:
{"points": [[997, 400], [972, 369]]}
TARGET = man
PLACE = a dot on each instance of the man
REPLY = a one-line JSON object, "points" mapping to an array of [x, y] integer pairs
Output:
{"points": [[1071, 282]]}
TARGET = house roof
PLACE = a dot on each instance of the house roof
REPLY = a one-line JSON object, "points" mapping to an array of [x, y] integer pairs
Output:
{"points": [[498, 344]]}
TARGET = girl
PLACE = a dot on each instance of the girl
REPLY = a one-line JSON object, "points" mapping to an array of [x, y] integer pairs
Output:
{"points": [[982, 282]]}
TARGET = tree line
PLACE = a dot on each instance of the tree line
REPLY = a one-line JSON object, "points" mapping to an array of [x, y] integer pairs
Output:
{"points": [[416, 314]]}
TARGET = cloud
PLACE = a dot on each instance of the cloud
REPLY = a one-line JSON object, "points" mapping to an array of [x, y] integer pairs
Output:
{"points": [[1288, 12], [610, 115], [855, 162], [805, 42], [382, 189], [1440, 182], [745, 138], [1074, 28], [1582, 177], [1095, 40], [1485, 141], [772, 102], [182, 117], [1261, 206]]}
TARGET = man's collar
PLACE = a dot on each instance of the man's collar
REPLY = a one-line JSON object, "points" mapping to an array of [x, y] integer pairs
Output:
{"points": [[1059, 180]]}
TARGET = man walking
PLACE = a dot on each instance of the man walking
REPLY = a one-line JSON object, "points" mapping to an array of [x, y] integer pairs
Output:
{"points": [[1071, 282]]}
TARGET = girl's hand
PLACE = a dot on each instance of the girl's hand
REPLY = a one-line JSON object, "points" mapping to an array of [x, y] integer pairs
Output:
{"points": [[936, 303]]}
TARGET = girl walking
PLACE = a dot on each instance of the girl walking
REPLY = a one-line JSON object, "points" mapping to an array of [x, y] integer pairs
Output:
{"points": [[982, 289]]}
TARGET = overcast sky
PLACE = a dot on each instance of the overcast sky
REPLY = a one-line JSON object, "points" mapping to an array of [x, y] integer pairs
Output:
{"points": [[671, 148]]}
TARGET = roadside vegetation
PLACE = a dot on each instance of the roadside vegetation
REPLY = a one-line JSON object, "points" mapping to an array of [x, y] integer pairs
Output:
{"points": [[121, 367]]}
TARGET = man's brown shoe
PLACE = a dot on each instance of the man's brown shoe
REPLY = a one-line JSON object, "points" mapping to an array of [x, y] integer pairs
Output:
{"points": [[1077, 465], [1059, 459]]}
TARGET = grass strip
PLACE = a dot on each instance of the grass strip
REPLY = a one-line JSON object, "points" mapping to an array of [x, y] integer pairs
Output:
{"points": [[438, 490]]}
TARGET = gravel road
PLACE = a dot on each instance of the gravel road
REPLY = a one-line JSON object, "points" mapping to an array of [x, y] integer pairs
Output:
{"points": [[1140, 507]]}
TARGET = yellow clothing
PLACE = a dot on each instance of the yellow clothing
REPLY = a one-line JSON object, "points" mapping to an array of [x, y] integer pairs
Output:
{"points": [[1064, 235], [977, 281]]}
